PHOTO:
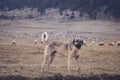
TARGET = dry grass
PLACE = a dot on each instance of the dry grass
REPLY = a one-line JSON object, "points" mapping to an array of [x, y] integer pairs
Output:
{"points": [[27, 60], [23, 61]]}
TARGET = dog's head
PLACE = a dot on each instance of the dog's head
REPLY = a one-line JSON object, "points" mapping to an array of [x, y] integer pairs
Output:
{"points": [[77, 43]]}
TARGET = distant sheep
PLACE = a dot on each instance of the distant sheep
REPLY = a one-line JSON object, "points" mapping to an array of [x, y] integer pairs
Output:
{"points": [[35, 41], [101, 43], [93, 42], [111, 44], [118, 43], [13, 42]]}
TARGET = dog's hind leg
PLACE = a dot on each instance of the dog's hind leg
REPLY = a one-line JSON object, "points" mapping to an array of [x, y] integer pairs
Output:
{"points": [[46, 57], [52, 56]]}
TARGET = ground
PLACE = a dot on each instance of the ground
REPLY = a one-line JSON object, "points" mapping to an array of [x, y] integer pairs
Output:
{"points": [[23, 61]]}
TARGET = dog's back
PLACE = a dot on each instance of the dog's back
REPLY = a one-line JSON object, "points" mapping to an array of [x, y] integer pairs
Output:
{"points": [[58, 47]]}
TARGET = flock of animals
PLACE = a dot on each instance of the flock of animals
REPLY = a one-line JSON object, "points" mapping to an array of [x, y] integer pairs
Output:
{"points": [[45, 35], [103, 43]]}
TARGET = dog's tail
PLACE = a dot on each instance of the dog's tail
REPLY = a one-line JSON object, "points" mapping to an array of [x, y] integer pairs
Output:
{"points": [[44, 38]]}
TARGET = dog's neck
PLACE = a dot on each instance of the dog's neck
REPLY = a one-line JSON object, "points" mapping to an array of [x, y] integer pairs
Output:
{"points": [[75, 49]]}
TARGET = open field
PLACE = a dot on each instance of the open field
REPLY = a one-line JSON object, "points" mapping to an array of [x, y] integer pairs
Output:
{"points": [[23, 61]]}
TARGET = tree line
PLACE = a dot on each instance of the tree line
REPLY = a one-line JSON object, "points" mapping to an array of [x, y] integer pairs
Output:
{"points": [[91, 7]]}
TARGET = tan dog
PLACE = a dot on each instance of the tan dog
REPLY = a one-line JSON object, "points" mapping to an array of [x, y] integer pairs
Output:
{"points": [[70, 49]]}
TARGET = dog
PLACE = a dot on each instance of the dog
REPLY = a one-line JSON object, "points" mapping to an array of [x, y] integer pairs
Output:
{"points": [[70, 49]]}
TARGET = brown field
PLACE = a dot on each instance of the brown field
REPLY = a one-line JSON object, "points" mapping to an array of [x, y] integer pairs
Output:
{"points": [[23, 61]]}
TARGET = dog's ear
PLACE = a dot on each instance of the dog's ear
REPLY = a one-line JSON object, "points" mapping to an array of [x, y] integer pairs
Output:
{"points": [[82, 42]]}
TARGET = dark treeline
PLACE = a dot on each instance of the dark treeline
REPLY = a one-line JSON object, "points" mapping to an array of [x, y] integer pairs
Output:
{"points": [[91, 7]]}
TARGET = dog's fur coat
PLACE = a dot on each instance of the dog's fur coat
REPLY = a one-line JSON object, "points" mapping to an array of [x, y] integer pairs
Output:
{"points": [[69, 49]]}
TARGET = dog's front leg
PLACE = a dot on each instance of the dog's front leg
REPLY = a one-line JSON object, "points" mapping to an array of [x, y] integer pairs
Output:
{"points": [[78, 62], [69, 62]]}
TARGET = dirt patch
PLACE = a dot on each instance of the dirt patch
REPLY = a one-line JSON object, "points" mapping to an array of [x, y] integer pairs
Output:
{"points": [[11, 77], [27, 61], [61, 77]]}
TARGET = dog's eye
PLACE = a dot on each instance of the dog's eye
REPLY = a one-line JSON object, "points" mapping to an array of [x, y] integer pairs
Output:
{"points": [[77, 41]]}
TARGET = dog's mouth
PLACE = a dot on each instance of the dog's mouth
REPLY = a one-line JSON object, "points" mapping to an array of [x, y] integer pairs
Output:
{"points": [[78, 46]]}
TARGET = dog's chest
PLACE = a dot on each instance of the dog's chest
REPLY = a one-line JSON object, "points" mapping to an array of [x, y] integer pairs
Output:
{"points": [[75, 51]]}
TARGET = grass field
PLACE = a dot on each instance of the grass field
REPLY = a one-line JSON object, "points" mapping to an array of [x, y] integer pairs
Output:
{"points": [[23, 61]]}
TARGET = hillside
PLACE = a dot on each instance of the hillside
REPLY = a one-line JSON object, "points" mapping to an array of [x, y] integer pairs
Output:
{"points": [[92, 9]]}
